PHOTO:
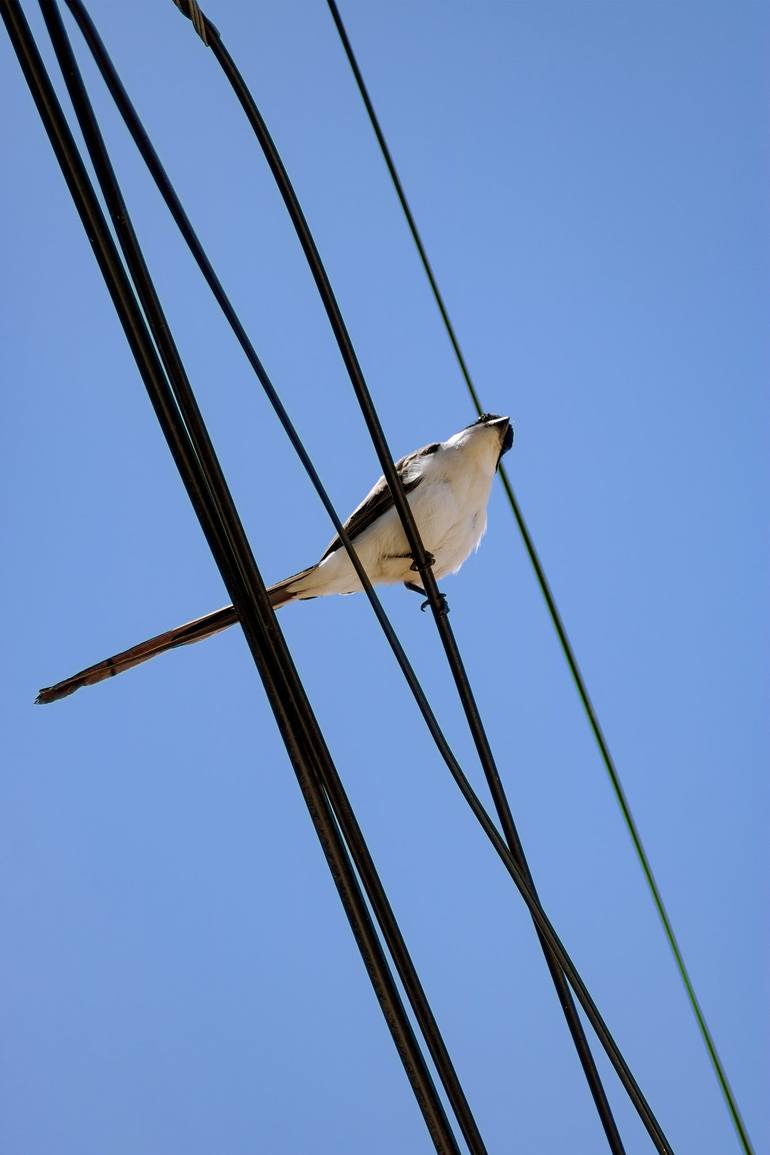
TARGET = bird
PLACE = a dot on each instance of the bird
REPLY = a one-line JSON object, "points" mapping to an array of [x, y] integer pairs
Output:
{"points": [[447, 484]]}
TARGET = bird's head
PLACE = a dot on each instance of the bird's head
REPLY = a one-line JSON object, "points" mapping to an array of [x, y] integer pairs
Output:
{"points": [[489, 432]]}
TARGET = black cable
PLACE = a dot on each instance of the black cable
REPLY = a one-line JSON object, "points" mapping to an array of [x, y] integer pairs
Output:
{"points": [[161, 333], [340, 803], [197, 466], [606, 1038], [446, 633], [158, 173], [534, 906], [550, 601]]}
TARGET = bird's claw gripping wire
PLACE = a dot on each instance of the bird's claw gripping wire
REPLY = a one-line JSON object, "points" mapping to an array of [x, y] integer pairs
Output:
{"points": [[430, 560], [442, 610]]}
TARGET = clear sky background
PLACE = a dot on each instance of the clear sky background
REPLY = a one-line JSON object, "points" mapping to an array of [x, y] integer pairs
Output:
{"points": [[591, 180]]}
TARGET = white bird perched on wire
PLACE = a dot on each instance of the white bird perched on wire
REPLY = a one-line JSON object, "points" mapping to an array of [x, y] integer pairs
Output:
{"points": [[447, 485]]}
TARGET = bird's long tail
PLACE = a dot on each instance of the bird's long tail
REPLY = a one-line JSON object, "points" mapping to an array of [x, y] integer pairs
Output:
{"points": [[194, 631]]}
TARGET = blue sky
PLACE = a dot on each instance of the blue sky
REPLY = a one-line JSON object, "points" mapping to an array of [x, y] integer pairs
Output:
{"points": [[591, 182]]}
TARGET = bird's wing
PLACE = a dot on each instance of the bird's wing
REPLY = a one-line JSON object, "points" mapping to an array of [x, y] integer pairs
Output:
{"points": [[379, 499]]}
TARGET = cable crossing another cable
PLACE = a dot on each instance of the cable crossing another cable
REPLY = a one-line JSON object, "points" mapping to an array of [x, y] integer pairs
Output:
{"points": [[553, 610]]}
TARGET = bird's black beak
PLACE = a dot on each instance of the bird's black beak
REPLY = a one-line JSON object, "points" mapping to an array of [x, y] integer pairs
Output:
{"points": [[506, 429]]}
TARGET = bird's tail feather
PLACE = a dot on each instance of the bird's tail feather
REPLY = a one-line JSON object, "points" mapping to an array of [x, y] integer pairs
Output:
{"points": [[282, 593], [194, 631]]}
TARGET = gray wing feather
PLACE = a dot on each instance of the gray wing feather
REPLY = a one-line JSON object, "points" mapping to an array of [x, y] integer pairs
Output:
{"points": [[379, 499]]}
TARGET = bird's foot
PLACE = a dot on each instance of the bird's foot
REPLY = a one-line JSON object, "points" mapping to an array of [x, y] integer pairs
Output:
{"points": [[443, 608], [429, 560]]}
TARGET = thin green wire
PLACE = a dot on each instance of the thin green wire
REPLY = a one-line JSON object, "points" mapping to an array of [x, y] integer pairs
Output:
{"points": [[552, 608]]}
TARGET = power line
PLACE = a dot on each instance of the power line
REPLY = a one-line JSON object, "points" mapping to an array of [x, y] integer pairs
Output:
{"points": [[216, 488], [312, 253], [550, 601], [155, 167], [213, 40], [208, 492], [151, 159]]}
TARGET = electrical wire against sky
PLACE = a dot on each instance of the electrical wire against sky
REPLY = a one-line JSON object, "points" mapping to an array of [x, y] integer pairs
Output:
{"points": [[205, 483], [199, 13], [140, 137], [550, 601]]}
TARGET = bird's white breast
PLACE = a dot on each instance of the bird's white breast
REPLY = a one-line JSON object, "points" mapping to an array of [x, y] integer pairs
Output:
{"points": [[449, 505]]}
